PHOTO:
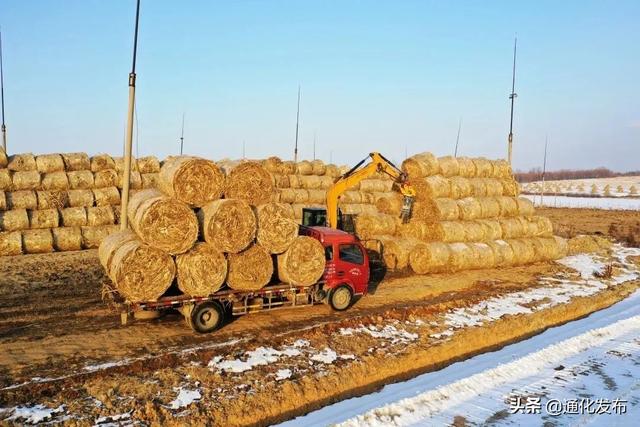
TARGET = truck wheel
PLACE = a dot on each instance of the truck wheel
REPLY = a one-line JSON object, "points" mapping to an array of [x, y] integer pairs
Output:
{"points": [[207, 317], [340, 298]]}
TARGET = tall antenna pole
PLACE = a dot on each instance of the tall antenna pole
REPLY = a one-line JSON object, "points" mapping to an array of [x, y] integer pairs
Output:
{"points": [[244, 154], [129, 130], [512, 97], [544, 168], [4, 127], [295, 150], [455, 152], [182, 135]]}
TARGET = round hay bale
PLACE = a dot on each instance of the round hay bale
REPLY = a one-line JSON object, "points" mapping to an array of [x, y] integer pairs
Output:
{"points": [[525, 207], [163, 222], [318, 167], [543, 226], [93, 236], [80, 180], [26, 199], [43, 218], [67, 238], [587, 244], [351, 197], [6, 182], [76, 162], [304, 167], [469, 208], [3, 201], [479, 187], [100, 215], [512, 228], [396, 251], [108, 196], [135, 180], [290, 195], [3, 158], [449, 166], [80, 198], [432, 187], [436, 210], [473, 232], [309, 182], [493, 186], [55, 181], [119, 164], [141, 272], [484, 167], [73, 217], [317, 196], [201, 271], [448, 232], [510, 188], [502, 169], [192, 180], [10, 243], [502, 252], [228, 224], [508, 206], [429, 258], [281, 181], [460, 187], [101, 162], [523, 251], [37, 241], [274, 165], [302, 263], [105, 178], [466, 167], [461, 257], [358, 209], [326, 182], [332, 171], [13, 220], [250, 270], [420, 166], [22, 162], [563, 246], [288, 167], [545, 248], [483, 256], [148, 164], [294, 181], [415, 229], [369, 225], [111, 243], [492, 229], [26, 180], [52, 199], [275, 197], [46, 163], [251, 182], [376, 185], [391, 204], [489, 207], [277, 228]]}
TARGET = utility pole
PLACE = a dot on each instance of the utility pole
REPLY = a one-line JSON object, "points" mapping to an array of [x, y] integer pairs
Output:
{"points": [[455, 152], [512, 97], [4, 127], [129, 131], [295, 150], [182, 135], [244, 155], [544, 168]]}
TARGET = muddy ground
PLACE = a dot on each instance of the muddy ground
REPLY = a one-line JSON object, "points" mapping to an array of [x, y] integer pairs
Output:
{"points": [[67, 345]]}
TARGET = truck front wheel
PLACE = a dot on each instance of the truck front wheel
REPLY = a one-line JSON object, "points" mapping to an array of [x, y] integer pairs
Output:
{"points": [[207, 317], [340, 298]]}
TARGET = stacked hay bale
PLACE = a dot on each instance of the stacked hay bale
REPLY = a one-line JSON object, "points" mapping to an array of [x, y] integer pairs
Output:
{"points": [[203, 230], [466, 215]]}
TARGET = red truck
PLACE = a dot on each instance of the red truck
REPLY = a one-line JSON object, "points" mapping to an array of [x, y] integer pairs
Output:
{"points": [[346, 275]]}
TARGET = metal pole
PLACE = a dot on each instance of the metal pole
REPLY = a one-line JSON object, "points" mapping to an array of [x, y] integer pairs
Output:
{"points": [[512, 97], [544, 168], [455, 153], [295, 151], [244, 153], [4, 127], [129, 130], [182, 135]]}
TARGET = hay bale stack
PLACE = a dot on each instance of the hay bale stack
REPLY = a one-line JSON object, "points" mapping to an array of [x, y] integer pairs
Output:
{"points": [[310, 182], [586, 244], [22, 162], [52, 199], [119, 164], [460, 187], [523, 251], [304, 167], [163, 222], [502, 252], [492, 229], [150, 180], [449, 166], [228, 224], [469, 208], [135, 180], [376, 185], [332, 171], [73, 217], [108, 196], [101, 162], [479, 187], [14, 220], [434, 210], [396, 251], [302, 263], [3, 158], [80, 180], [502, 169], [429, 258], [93, 236], [44, 218], [251, 182], [149, 164], [420, 166], [67, 238], [391, 204], [277, 228], [275, 165], [46, 163], [461, 257], [432, 187], [317, 196], [318, 167], [26, 180], [250, 270], [510, 188], [10, 242], [370, 225], [489, 207], [483, 256], [525, 206], [484, 167], [100, 215], [26, 199], [79, 198], [191, 180], [466, 167], [542, 226], [493, 187], [76, 162], [358, 209], [6, 183], [351, 197], [293, 196], [105, 178], [111, 243], [201, 271], [37, 241], [508, 206], [55, 181], [139, 271]]}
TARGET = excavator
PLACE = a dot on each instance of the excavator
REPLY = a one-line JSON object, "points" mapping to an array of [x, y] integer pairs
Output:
{"points": [[332, 216]]}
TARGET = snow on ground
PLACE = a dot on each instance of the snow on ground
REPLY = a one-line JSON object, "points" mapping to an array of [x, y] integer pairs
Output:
{"points": [[584, 202], [33, 414], [185, 398], [579, 369], [627, 186]]}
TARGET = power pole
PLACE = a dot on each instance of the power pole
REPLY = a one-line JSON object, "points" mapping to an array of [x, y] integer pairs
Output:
{"points": [[512, 97], [4, 127], [455, 153], [544, 168], [129, 131], [244, 156], [295, 150], [182, 135]]}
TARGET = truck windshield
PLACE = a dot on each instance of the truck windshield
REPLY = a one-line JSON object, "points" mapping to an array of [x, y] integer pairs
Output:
{"points": [[351, 253]]}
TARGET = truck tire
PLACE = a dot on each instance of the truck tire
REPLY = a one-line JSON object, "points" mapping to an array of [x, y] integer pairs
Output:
{"points": [[206, 317], [340, 298]]}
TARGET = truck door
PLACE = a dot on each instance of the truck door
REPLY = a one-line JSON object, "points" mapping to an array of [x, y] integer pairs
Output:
{"points": [[351, 266]]}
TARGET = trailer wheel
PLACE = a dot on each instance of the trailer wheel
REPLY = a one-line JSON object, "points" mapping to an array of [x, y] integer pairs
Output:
{"points": [[341, 297], [207, 317]]}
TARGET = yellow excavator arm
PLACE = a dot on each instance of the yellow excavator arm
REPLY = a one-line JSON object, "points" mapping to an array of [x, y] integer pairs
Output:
{"points": [[359, 172]]}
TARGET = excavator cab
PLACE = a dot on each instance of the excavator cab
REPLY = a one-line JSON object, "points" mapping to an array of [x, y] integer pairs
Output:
{"points": [[317, 217]]}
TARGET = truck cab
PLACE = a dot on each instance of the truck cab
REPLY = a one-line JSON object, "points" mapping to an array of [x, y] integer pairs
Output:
{"points": [[346, 273]]}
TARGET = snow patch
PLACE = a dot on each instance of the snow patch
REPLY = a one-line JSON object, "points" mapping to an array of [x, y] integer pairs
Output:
{"points": [[185, 398], [283, 374], [34, 414], [326, 356], [388, 332]]}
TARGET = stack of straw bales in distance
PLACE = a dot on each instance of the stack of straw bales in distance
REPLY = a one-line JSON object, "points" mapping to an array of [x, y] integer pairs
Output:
{"points": [[63, 202], [207, 225], [467, 215]]}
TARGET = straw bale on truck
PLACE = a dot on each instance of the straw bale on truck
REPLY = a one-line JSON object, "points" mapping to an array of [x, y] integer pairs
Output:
{"points": [[191, 180], [276, 227], [251, 182], [202, 270], [250, 269], [228, 224], [302, 263]]}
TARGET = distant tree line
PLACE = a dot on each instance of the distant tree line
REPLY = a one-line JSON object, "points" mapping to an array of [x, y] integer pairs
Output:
{"points": [[535, 174]]}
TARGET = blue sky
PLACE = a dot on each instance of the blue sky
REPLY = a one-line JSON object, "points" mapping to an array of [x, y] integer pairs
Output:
{"points": [[391, 76]]}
